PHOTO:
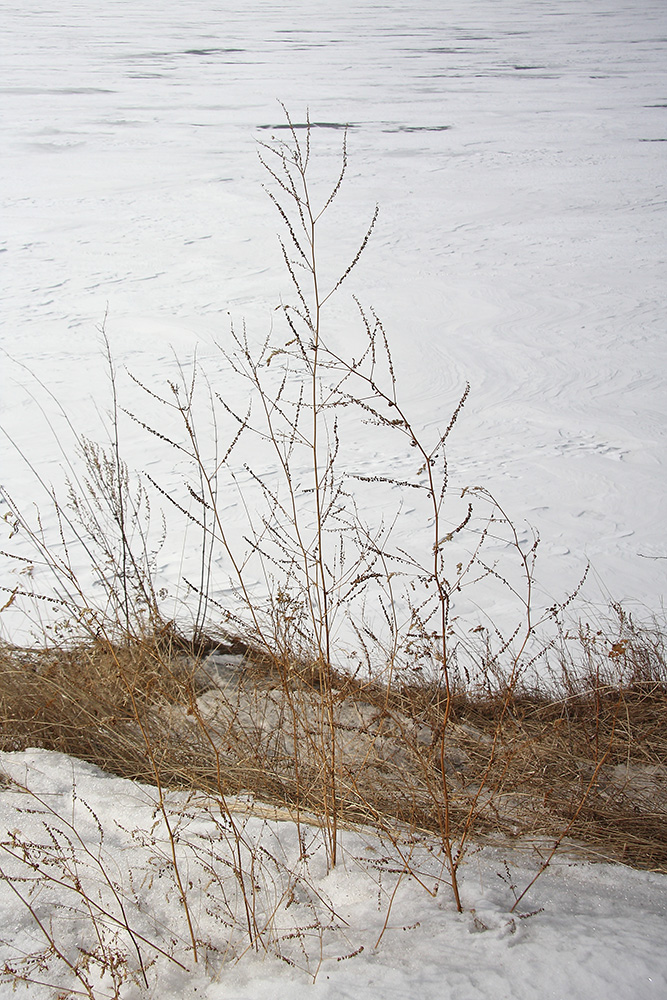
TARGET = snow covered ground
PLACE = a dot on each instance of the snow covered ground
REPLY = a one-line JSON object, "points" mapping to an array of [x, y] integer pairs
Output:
{"points": [[516, 150], [583, 930]]}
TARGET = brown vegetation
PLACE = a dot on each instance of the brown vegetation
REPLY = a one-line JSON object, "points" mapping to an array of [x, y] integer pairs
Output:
{"points": [[587, 761]]}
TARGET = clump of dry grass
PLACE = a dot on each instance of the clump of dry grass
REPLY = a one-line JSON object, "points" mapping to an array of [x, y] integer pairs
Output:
{"points": [[588, 760], [93, 700]]}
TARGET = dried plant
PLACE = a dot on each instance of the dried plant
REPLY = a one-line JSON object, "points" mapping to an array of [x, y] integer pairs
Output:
{"points": [[359, 692]]}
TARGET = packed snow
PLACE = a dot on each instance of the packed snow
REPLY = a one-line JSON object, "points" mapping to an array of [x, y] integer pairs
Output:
{"points": [[516, 150], [369, 928]]}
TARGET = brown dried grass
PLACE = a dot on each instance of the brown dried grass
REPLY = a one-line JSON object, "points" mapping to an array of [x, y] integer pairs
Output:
{"points": [[588, 762]]}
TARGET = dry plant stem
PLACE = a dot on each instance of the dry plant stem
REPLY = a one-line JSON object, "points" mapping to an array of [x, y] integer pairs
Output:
{"points": [[209, 497], [51, 942], [295, 162], [185, 410], [320, 590], [161, 805], [119, 481], [98, 864], [443, 596], [545, 864], [322, 594], [96, 517], [435, 494], [510, 685], [254, 935], [90, 903], [330, 801], [405, 870]]}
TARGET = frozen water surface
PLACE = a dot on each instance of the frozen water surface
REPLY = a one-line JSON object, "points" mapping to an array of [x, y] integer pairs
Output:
{"points": [[516, 150]]}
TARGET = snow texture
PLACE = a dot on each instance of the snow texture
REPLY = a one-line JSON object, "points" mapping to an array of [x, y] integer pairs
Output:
{"points": [[516, 150], [584, 930]]}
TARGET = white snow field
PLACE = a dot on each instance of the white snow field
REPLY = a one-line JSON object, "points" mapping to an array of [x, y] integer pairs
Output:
{"points": [[583, 932], [517, 151]]}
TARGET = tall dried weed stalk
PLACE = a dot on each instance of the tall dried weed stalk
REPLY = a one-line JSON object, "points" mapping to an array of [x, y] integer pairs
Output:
{"points": [[322, 561]]}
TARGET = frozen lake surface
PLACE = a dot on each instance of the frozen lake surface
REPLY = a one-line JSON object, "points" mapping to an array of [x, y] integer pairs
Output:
{"points": [[516, 150]]}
